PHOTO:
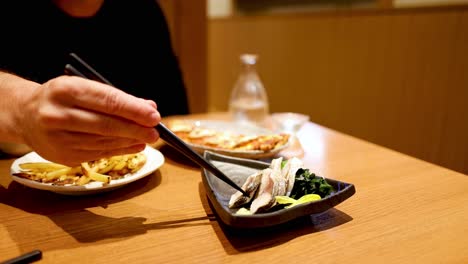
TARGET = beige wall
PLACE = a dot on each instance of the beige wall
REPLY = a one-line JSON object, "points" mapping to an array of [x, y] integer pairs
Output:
{"points": [[395, 77]]}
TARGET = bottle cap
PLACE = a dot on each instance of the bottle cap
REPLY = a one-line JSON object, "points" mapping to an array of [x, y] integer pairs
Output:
{"points": [[249, 58]]}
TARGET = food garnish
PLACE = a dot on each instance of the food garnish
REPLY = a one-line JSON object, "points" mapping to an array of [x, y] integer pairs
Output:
{"points": [[102, 170], [284, 184], [243, 211], [293, 202], [307, 183]]}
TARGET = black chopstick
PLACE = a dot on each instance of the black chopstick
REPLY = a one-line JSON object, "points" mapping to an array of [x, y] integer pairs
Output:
{"points": [[181, 146], [70, 70], [166, 134], [25, 258], [89, 71]]}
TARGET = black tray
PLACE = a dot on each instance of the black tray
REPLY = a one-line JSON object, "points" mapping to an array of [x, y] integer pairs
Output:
{"points": [[238, 169]]}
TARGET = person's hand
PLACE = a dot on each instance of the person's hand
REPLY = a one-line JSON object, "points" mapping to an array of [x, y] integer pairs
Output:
{"points": [[71, 120]]}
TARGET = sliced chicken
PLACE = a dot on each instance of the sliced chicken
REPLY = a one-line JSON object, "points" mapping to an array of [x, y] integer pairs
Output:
{"points": [[271, 187], [250, 187], [264, 198], [289, 172]]}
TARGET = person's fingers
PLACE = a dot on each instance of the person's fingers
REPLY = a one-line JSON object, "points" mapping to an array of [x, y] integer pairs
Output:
{"points": [[152, 103], [84, 121], [84, 141], [99, 97], [71, 147]]}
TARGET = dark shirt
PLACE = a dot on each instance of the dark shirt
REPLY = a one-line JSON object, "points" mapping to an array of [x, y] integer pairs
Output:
{"points": [[128, 42]]}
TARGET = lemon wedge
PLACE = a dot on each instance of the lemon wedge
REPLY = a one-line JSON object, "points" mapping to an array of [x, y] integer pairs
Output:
{"points": [[293, 202], [243, 211]]}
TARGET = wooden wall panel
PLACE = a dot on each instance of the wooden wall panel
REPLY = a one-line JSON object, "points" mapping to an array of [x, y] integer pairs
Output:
{"points": [[455, 151], [393, 77], [188, 25]]}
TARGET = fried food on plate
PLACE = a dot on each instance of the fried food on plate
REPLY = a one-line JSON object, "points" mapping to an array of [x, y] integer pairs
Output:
{"points": [[225, 139], [101, 170]]}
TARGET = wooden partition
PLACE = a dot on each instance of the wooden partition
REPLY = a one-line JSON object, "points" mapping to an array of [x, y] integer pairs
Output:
{"points": [[398, 78], [188, 25]]}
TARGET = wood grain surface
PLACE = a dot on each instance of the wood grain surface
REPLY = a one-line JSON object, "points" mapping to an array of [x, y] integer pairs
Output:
{"points": [[405, 210]]}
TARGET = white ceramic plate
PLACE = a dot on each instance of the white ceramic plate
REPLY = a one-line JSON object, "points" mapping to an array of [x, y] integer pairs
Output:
{"points": [[237, 128], [155, 159]]}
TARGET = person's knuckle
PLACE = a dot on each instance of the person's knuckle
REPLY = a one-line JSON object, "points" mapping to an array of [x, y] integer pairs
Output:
{"points": [[52, 117], [112, 101], [63, 86], [47, 117]]}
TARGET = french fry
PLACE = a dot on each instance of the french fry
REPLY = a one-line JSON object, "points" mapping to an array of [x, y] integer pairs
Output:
{"points": [[121, 164], [76, 171], [106, 165], [136, 162], [51, 175], [102, 170], [89, 172], [83, 180], [99, 177], [41, 166]]}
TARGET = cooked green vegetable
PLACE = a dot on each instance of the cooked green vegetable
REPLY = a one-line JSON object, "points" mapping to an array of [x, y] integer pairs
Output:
{"points": [[308, 183], [283, 163]]}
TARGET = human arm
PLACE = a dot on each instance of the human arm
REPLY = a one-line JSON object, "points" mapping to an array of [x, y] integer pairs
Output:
{"points": [[70, 119]]}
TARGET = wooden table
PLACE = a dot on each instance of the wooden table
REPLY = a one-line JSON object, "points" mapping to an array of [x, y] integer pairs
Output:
{"points": [[404, 211]]}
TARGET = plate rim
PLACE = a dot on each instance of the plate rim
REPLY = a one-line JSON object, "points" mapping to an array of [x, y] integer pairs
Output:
{"points": [[270, 218], [155, 159]]}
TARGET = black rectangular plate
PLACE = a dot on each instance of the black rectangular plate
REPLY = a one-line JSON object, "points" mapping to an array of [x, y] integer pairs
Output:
{"points": [[238, 169]]}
